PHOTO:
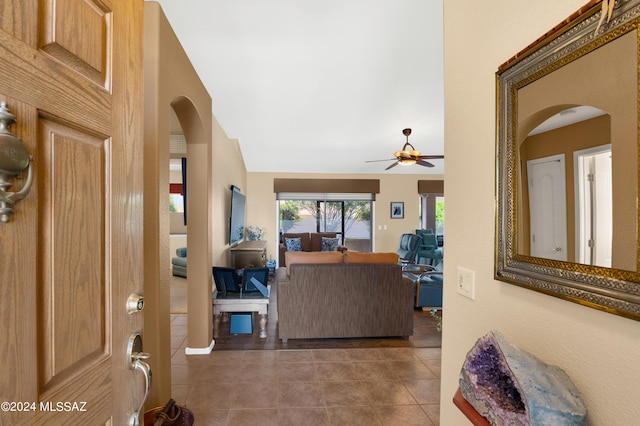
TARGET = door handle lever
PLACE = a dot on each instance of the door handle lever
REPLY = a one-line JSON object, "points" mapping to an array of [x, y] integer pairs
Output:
{"points": [[137, 363]]}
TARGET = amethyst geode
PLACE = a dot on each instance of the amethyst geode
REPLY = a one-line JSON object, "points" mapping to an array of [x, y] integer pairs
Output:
{"points": [[509, 386]]}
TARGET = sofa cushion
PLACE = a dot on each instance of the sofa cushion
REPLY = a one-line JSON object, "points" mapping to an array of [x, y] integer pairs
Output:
{"points": [[316, 239], [180, 261], [359, 257], [293, 244], [330, 244], [305, 240], [301, 257]]}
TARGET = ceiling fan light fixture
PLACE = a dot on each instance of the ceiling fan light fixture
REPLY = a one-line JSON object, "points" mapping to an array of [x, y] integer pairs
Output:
{"points": [[409, 155]]}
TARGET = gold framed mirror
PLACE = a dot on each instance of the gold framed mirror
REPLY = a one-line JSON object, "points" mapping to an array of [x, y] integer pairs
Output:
{"points": [[567, 161]]}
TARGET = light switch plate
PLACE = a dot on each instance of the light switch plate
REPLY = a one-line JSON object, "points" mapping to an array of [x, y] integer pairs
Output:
{"points": [[466, 284]]}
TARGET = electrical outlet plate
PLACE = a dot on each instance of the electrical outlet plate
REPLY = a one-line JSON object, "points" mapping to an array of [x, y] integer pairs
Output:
{"points": [[466, 284]]}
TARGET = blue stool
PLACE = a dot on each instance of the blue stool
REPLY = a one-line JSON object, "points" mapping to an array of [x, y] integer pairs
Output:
{"points": [[241, 323]]}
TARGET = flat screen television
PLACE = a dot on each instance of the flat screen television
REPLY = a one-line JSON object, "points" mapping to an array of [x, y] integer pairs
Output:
{"points": [[236, 217]]}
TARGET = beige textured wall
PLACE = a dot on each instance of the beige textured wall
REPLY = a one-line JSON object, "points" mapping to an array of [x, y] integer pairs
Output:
{"points": [[171, 82], [261, 206], [598, 350], [228, 169]]}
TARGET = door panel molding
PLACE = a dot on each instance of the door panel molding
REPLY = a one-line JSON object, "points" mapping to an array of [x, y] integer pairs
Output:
{"points": [[79, 34]]}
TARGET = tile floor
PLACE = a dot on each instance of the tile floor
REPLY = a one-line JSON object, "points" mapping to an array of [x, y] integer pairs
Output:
{"points": [[319, 386]]}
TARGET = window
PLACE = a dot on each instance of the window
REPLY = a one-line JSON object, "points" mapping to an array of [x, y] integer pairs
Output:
{"points": [[176, 203], [432, 213], [348, 215]]}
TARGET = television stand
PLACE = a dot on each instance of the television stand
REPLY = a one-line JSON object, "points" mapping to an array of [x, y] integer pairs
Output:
{"points": [[249, 254]]}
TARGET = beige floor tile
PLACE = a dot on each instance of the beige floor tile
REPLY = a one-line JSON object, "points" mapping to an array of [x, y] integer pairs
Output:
{"points": [[300, 394], [365, 354], [210, 416], [255, 395], [179, 358], [209, 396], [428, 353], [424, 391], [178, 330], [265, 357], [295, 356], [335, 371], [354, 416], [412, 370], [296, 372], [433, 411], [220, 373], [226, 357], [394, 385], [345, 394], [184, 374], [322, 355], [180, 319], [434, 365], [303, 416], [403, 415], [256, 373], [396, 354], [375, 370], [253, 417], [388, 393], [177, 341]]}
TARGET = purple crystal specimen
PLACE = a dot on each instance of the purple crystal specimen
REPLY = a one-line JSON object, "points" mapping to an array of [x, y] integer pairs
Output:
{"points": [[497, 382], [509, 386]]}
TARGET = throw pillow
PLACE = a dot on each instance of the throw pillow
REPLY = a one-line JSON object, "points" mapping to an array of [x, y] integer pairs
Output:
{"points": [[293, 244], [329, 244]]}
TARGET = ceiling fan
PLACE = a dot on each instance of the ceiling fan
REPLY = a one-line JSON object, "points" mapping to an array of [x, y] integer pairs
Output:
{"points": [[409, 155]]}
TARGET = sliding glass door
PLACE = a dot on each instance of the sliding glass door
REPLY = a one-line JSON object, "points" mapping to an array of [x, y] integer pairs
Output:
{"points": [[350, 219]]}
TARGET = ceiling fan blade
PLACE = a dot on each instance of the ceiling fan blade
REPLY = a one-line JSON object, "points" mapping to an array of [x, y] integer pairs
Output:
{"points": [[377, 161], [431, 157], [392, 165], [424, 163]]}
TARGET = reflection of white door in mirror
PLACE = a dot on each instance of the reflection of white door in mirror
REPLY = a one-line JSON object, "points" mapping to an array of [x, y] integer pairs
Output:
{"points": [[547, 192], [594, 205]]}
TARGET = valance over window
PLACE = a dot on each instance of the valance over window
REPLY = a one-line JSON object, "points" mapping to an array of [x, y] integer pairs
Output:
{"points": [[327, 186]]}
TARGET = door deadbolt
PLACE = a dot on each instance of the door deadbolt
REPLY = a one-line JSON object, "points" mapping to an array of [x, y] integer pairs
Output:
{"points": [[135, 303]]}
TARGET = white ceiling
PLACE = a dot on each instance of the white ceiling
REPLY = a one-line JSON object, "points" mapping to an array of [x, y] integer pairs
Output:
{"points": [[320, 85], [567, 117]]}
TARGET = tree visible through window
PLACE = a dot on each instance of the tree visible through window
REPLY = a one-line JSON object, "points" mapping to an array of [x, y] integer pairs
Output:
{"points": [[439, 215]]}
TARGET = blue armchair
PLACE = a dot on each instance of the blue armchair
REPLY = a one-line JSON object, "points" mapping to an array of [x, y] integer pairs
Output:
{"points": [[429, 249], [428, 282], [409, 244]]}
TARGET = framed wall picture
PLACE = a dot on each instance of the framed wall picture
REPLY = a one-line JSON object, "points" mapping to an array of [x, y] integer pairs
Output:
{"points": [[397, 210]]}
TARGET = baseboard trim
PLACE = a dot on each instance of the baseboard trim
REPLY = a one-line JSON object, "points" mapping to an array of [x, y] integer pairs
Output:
{"points": [[200, 351]]}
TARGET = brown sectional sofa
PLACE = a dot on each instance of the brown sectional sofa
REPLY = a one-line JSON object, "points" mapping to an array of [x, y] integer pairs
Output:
{"points": [[309, 241], [335, 295]]}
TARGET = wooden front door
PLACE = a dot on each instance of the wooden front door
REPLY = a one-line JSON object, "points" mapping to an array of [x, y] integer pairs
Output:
{"points": [[71, 254]]}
